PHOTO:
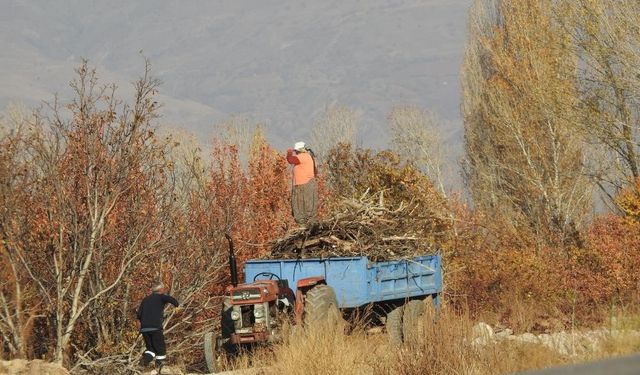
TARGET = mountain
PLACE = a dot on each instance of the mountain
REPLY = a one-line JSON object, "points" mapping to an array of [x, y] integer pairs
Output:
{"points": [[277, 62]]}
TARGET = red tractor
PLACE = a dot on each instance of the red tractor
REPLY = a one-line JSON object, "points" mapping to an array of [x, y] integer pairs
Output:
{"points": [[253, 312]]}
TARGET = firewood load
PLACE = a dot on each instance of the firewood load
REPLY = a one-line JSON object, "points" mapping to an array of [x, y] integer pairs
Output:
{"points": [[364, 226]]}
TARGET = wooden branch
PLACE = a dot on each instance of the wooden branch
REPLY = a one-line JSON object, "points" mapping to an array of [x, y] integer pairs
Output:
{"points": [[400, 238]]}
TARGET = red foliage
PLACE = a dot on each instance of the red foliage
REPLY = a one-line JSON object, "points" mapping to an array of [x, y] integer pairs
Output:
{"points": [[489, 268], [253, 204], [617, 243]]}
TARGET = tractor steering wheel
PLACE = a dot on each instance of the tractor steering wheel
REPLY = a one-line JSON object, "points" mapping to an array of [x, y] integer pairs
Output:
{"points": [[269, 274]]}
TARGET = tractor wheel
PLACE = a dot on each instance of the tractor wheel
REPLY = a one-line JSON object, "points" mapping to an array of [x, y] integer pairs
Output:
{"points": [[413, 321], [393, 324], [321, 305], [214, 354], [217, 347]]}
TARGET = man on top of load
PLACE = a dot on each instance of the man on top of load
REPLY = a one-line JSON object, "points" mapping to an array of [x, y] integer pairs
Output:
{"points": [[304, 195]]}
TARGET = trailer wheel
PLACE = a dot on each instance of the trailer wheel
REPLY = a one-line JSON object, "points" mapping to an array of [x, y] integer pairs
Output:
{"points": [[393, 324], [321, 305], [413, 322]]}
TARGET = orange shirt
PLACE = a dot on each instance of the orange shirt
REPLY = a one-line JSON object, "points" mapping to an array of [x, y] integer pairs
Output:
{"points": [[302, 167]]}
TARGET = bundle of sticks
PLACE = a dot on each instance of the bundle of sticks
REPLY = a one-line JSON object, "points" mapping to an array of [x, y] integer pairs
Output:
{"points": [[360, 227]]}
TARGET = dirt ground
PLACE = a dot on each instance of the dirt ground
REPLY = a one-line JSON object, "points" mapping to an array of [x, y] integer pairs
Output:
{"points": [[35, 367]]}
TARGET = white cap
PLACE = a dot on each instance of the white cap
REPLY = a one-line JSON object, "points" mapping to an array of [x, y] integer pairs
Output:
{"points": [[298, 146]]}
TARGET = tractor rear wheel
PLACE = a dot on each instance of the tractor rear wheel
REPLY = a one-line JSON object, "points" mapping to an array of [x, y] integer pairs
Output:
{"points": [[321, 305], [393, 324], [413, 321]]}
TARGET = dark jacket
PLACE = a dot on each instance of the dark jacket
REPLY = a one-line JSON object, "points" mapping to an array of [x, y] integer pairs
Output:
{"points": [[151, 310]]}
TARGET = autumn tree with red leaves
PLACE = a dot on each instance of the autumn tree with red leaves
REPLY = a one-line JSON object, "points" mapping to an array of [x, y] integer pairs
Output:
{"points": [[90, 221]]}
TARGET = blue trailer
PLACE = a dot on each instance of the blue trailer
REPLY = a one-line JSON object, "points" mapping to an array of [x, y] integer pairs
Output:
{"points": [[398, 291], [357, 281]]}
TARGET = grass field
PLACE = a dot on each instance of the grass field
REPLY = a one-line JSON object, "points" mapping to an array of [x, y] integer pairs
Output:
{"points": [[444, 347]]}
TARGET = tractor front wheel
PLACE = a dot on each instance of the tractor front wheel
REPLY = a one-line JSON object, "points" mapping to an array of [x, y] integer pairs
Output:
{"points": [[214, 354]]}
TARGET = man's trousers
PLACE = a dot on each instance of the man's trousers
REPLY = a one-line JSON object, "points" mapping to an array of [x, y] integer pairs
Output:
{"points": [[156, 348]]}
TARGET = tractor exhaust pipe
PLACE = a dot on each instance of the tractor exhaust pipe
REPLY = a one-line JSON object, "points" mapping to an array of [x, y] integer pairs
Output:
{"points": [[233, 267]]}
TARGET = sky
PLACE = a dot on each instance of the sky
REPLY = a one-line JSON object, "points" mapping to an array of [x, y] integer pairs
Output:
{"points": [[278, 63]]}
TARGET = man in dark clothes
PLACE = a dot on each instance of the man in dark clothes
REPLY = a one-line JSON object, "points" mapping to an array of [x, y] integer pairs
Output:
{"points": [[151, 315]]}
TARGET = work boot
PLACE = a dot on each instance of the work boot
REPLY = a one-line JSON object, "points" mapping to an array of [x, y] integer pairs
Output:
{"points": [[146, 359]]}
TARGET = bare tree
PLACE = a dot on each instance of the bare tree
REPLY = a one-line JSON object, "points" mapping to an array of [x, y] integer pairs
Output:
{"points": [[525, 158], [338, 125], [416, 138], [238, 131], [606, 39]]}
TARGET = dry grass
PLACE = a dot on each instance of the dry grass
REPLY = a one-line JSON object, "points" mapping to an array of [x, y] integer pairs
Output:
{"points": [[325, 349], [628, 340], [320, 349], [445, 347]]}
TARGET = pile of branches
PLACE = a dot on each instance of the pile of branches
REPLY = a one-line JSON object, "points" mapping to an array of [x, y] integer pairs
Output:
{"points": [[361, 227]]}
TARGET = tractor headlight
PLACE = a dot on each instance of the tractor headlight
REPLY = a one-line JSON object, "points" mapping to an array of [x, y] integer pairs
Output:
{"points": [[235, 315], [258, 311]]}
